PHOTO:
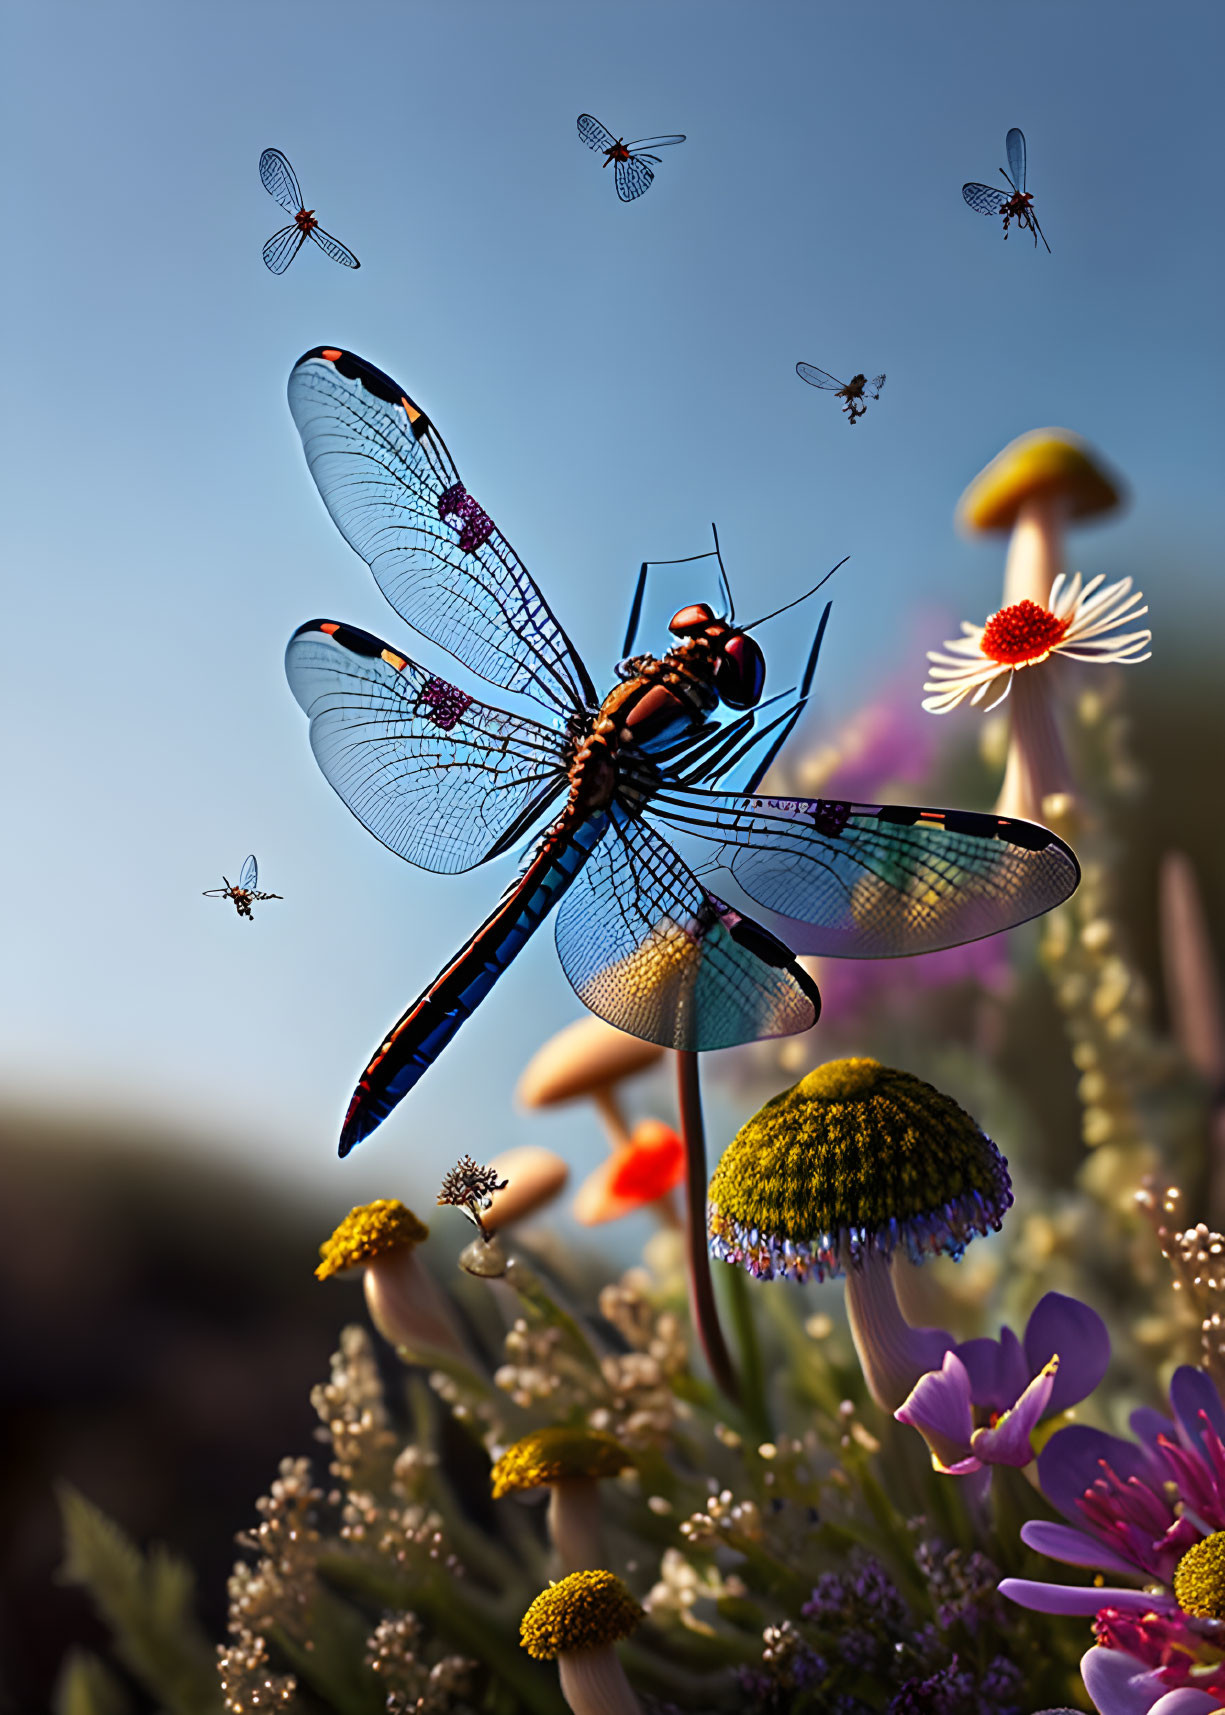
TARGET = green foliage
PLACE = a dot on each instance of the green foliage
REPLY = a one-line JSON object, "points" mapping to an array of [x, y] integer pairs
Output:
{"points": [[147, 1602], [86, 1686]]}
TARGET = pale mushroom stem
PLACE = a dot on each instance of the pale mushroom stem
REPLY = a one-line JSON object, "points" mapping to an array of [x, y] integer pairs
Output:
{"points": [[1035, 550], [593, 1682], [892, 1354], [1037, 766], [605, 1099], [410, 1309], [575, 1523], [1193, 996], [701, 1288]]}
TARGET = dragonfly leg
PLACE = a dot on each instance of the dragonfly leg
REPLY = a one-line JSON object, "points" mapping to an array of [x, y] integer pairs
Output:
{"points": [[781, 732], [640, 590]]}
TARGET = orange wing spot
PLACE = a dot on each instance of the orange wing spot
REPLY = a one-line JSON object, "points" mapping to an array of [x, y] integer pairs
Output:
{"points": [[408, 405], [330, 626], [332, 356], [394, 660]]}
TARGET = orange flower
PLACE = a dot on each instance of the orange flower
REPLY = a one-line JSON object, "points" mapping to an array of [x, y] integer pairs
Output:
{"points": [[645, 1170]]}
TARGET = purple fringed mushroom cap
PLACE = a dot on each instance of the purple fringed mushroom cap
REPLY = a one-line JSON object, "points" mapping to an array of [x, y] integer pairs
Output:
{"points": [[855, 1161]]}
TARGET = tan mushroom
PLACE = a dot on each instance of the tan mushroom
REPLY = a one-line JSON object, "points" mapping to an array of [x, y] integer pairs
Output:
{"points": [[587, 1059], [575, 1623], [534, 1177], [1040, 483], [570, 1463]]}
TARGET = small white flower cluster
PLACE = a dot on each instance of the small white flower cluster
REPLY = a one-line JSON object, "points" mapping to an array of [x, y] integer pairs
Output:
{"points": [[643, 1407], [354, 1416], [538, 1367], [414, 1686], [724, 1519], [274, 1594], [682, 1586]]}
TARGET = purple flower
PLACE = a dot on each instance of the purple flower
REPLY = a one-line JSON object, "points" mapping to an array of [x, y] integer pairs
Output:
{"points": [[983, 1405], [1136, 1508], [1119, 1684]]}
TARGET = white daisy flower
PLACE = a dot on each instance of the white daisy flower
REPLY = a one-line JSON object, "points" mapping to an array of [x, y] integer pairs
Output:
{"points": [[1079, 623]]}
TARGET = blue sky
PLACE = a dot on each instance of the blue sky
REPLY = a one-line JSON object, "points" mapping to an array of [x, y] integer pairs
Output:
{"points": [[609, 378]]}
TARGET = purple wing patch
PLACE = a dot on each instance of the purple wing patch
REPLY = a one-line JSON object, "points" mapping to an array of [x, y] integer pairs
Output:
{"points": [[476, 526], [445, 703], [830, 817]]}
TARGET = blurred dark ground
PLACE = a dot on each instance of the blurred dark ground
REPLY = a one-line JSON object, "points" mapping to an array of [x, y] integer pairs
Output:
{"points": [[160, 1331], [160, 1327]]}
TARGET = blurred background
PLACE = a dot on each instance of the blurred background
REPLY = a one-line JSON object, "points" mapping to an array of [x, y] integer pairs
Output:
{"points": [[609, 378]]}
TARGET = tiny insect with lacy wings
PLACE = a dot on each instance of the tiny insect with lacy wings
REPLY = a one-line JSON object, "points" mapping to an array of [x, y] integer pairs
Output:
{"points": [[281, 182], [985, 199], [633, 163], [244, 891], [852, 392]]}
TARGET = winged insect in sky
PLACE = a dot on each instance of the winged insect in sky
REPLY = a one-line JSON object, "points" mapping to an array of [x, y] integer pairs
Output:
{"points": [[852, 392], [1019, 205], [281, 182], [633, 163], [449, 782], [244, 892]]}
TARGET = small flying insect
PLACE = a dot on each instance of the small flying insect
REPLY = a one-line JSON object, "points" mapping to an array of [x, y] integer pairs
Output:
{"points": [[985, 199], [243, 892], [853, 393], [281, 182], [632, 162]]}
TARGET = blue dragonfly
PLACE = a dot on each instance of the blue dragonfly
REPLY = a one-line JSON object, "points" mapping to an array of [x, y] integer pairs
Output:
{"points": [[1019, 206], [449, 782]]}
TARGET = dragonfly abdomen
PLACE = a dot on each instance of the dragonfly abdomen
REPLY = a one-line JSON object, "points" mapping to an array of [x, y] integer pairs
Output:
{"points": [[425, 1029]]}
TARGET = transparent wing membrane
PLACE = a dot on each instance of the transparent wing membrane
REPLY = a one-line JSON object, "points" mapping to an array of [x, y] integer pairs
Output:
{"points": [[878, 881], [280, 180], [1014, 143], [248, 876], [438, 777], [649, 950], [282, 247], [595, 135], [633, 177], [984, 199], [816, 377], [392, 489], [334, 248]]}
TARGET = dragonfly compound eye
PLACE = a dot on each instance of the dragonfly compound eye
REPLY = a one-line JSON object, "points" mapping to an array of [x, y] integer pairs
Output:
{"points": [[690, 620], [740, 672]]}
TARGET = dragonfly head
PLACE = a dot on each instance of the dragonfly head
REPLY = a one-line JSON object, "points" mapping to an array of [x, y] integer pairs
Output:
{"points": [[738, 665]]}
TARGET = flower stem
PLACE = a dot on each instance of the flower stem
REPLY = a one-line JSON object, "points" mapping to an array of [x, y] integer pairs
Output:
{"points": [[753, 1378], [701, 1289]]}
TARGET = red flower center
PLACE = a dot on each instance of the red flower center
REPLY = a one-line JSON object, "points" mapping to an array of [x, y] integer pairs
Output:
{"points": [[1022, 633], [652, 1165]]}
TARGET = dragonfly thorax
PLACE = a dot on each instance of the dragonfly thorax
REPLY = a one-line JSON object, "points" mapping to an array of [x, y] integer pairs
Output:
{"points": [[305, 219]]}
